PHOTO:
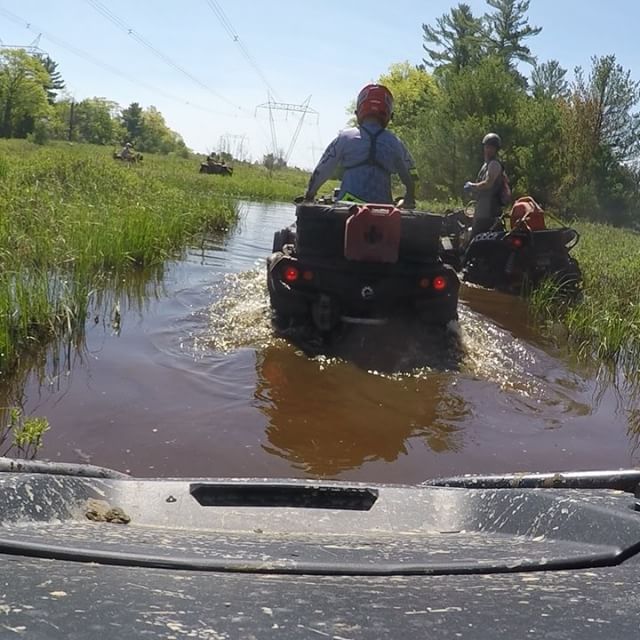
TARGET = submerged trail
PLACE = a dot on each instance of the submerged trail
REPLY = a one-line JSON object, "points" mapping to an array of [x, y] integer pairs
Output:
{"points": [[196, 382]]}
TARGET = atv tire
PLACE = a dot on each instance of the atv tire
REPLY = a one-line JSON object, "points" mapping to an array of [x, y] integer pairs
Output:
{"points": [[281, 238], [569, 279]]}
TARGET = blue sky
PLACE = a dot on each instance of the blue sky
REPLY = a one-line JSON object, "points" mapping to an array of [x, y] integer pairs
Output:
{"points": [[325, 49]]}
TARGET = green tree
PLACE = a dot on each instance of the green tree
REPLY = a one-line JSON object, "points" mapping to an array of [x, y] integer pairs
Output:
{"points": [[55, 83], [23, 98], [548, 80], [96, 121], [508, 29], [414, 91], [456, 41], [609, 100], [156, 137], [601, 129], [132, 120], [273, 162], [469, 103], [535, 154]]}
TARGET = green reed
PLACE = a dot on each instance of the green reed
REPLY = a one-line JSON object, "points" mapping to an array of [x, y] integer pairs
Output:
{"points": [[605, 324]]}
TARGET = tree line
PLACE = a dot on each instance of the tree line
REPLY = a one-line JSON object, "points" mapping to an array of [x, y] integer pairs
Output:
{"points": [[572, 143], [34, 105]]}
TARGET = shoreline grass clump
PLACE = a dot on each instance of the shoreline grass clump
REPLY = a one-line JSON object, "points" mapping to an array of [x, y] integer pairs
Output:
{"points": [[20, 434], [72, 217], [604, 325]]}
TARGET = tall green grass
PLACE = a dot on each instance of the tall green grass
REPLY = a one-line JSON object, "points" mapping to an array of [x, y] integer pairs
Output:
{"points": [[605, 324], [72, 218]]}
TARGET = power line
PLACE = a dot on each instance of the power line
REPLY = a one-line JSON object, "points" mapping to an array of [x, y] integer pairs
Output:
{"points": [[103, 65], [118, 22], [233, 34]]}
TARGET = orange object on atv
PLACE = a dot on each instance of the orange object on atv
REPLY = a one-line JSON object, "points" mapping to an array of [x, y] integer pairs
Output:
{"points": [[372, 234], [527, 214]]}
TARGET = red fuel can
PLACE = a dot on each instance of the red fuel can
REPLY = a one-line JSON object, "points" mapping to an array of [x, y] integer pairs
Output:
{"points": [[372, 234]]}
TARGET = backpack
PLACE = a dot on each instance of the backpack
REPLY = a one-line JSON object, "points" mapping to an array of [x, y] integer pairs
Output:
{"points": [[504, 194]]}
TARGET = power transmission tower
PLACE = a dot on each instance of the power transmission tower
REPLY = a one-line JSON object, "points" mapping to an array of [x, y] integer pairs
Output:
{"points": [[33, 48], [233, 144], [303, 109]]}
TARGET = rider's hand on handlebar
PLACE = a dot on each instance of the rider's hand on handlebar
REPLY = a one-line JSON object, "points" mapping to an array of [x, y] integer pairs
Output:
{"points": [[305, 198], [468, 187]]}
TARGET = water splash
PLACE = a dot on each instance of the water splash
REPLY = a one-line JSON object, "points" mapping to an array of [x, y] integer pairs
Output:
{"points": [[493, 354], [240, 318]]}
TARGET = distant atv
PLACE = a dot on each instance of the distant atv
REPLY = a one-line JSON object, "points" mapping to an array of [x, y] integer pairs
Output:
{"points": [[216, 168], [134, 158], [515, 260], [360, 264]]}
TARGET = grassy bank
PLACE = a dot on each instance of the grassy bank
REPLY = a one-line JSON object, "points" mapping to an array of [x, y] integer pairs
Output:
{"points": [[72, 217], [605, 325]]}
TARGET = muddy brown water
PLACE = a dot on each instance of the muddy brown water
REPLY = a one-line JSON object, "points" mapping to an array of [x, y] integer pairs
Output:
{"points": [[193, 382]]}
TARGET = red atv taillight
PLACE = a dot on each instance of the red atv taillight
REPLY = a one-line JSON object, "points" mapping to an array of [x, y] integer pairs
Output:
{"points": [[291, 274], [516, 242], [440, 283]]}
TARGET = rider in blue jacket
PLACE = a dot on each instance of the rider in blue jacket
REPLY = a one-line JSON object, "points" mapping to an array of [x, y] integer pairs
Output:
{"points": [[368, 155]]}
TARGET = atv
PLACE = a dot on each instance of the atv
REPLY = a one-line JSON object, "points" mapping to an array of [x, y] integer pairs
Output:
{"points": [[360, 264], [132, 159], [513, 260], [216, 168]]}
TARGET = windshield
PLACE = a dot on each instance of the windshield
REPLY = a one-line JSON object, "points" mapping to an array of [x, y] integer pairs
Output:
{"points": [[170, 310]]}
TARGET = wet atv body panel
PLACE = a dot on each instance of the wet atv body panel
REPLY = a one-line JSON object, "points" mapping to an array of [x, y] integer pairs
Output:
{"points": [[329, 287], [228, 558], [521, 260]]}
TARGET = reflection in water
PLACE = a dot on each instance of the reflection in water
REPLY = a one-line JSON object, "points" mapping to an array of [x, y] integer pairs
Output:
{"points": [[326, 418], [114, 298]]}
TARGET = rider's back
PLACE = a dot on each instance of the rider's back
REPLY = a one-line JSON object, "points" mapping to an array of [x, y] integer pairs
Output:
{"points": [[367, 175]]}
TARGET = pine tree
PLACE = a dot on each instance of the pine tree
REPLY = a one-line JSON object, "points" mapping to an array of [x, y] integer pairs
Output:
{"points": [[548, 80], [508, 28], [56, 83], [457, 37], [132, 118]]}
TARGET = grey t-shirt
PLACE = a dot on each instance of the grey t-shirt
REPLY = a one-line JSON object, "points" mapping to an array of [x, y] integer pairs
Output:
{"points": [[488, 203]]}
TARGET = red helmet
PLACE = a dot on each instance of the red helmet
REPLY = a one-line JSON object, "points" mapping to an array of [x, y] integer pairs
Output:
{"points": [[375, 101]]}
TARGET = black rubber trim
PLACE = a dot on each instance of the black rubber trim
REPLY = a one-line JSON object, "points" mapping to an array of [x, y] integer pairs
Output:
{"points": [[627, 480], [290, 567]]}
